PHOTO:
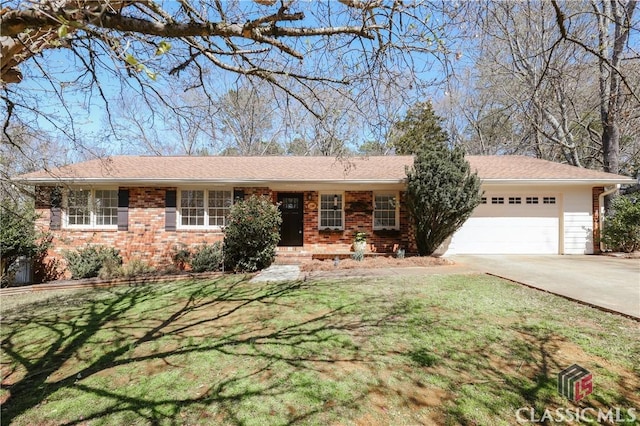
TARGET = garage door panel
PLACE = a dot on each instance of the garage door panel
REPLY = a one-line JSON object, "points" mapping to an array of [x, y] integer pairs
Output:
{"points": [[509, 229], [525, 211]]}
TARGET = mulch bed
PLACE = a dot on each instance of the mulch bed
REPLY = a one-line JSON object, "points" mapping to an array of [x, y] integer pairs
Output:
{"points": [[373, 262]]}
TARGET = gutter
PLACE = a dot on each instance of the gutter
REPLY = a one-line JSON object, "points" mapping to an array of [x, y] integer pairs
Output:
{"points": [[609, 191], [259, 181], [196, 182], [557, 182]]}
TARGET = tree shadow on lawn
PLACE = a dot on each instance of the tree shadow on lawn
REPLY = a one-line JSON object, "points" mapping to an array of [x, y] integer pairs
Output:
{"points": [[491, 378], [86, 339], [274, 342]]}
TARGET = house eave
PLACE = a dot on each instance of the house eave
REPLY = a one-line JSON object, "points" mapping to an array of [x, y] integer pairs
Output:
{"points": [[186, 182], [304, 182], [556, 182]]}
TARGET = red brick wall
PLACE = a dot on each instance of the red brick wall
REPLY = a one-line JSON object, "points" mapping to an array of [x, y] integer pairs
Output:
{"points": [[310, 219], [147, 240], [356, 220], [259, 190], [596, 191]]}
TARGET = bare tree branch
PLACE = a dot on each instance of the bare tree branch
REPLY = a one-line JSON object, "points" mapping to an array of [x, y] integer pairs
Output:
{"points": [[27, 31], [620, 40]]}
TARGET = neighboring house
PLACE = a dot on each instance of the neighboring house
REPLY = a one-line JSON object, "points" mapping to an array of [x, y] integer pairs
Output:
{"points": [[147, 207]]}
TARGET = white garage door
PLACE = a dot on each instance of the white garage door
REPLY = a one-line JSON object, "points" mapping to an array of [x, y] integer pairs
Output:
{"points": [[510, 224]]}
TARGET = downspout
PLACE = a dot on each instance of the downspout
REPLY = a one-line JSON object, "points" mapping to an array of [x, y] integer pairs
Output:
{"points": [[601, 207]]}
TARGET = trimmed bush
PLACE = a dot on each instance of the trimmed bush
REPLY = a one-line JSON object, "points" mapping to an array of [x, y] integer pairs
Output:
{"points": [[88, 262], [136, 267], [207, 258], [111, 268], [621, 231], [251, 234], [181, 258]]}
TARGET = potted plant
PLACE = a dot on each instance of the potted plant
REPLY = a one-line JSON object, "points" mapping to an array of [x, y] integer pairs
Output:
{"points": [[359, 241]]}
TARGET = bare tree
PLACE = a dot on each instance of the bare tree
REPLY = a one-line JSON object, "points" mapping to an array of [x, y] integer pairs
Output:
{"points": [[136, 130], [615, 24], [246, 122], [29, 28], [186, 124], [27, 151], [550, 88], [334, 132], [543, 77], [294, 46]]}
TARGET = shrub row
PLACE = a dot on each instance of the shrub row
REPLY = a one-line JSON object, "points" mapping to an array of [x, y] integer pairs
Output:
{"points": [[103, 262], [250, 239], [622, 225], [204, 258], [91, 261]]}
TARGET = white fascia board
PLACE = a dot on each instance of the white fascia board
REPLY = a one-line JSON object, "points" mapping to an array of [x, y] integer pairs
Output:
{"points": [[556, 182], [236, 182], [306, 182]]}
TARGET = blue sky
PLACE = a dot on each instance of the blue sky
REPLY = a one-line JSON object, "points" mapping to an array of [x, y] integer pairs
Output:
{"points": [[89, 124]]}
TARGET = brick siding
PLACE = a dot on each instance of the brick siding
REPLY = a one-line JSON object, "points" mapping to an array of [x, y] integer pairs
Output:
{"points": [[146, 238]]}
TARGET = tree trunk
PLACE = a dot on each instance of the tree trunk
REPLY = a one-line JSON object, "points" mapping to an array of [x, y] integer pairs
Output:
{"points": [[611, 145], [614, 14]]}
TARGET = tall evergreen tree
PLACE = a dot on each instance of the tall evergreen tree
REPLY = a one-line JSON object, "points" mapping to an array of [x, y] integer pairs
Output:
{"points": [[419, 128], [442, 192]]}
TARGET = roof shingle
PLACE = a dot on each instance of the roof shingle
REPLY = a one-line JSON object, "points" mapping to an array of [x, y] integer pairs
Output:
{"points": [[301, 169]]}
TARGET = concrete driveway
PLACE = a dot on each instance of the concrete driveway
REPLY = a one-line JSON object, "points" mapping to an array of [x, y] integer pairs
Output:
{"points": [[608, 282]]}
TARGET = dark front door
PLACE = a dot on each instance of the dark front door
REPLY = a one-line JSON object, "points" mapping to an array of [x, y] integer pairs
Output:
{"points": [[292, 225]]}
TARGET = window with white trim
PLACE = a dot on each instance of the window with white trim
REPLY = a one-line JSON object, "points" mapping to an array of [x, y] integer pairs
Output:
{"points": [[532, 200], [549, 200], [385, 211], [106, 202], [331, 211], [219, 206], [497, 200], [89, 208], [192, 208], [199, 208]]}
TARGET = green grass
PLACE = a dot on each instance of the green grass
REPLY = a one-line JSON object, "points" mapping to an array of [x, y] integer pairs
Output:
{"points": [[465, 349]]}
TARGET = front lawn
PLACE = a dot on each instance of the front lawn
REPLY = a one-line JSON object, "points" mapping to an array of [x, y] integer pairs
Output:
{"points": [[457, 349]]}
